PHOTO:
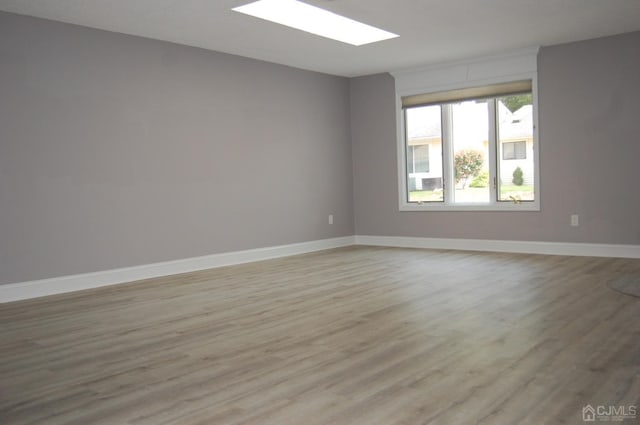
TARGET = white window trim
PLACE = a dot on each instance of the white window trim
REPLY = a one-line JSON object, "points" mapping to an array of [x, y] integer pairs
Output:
{"points": [[513, 66]]}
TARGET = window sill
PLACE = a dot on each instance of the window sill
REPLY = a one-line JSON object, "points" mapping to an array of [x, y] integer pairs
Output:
{"points": [[507, 206]]}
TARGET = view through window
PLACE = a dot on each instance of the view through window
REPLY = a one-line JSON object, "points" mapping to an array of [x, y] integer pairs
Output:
{"points": [[474, 151]]}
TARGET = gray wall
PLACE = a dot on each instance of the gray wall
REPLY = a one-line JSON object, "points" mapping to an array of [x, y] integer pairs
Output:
{"points": [[589, 117], [117, 151]]}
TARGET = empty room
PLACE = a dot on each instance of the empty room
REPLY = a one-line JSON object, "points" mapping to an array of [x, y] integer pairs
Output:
{"points": [[319, 212]]}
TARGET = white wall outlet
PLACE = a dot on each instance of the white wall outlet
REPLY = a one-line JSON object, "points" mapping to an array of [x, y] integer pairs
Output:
{"points": [[330, 218], [575, 220]]}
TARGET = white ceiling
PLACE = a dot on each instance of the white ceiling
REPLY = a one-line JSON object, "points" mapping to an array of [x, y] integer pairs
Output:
{"points": [[431, 31]]}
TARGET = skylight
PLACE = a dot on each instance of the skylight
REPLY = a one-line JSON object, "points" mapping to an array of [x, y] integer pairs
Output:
{"points": [[304, 17]]}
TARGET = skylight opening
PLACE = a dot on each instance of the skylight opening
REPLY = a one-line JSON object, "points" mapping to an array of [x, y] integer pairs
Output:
{"points": [[314, 20]]}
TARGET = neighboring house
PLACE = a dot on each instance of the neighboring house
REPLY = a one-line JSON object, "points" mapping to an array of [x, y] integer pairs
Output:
{"points": [[424, 149], [516, 143], [424, 157]]}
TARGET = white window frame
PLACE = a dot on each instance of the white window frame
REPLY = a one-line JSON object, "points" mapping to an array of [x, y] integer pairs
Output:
{"points": [[513, 66]]}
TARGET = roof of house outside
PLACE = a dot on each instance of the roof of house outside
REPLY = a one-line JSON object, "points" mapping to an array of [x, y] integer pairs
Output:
{"points": [[518, 124]]}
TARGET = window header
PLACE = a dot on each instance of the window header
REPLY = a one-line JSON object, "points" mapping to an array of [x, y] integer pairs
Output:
{"points": [[493, 90]]}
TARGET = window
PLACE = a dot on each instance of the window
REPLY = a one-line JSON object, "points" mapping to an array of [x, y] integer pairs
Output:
{"points": [[514, 150], [418, 159], [470, 148]]}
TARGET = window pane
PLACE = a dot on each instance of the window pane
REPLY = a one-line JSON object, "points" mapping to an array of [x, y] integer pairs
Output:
{"points": [[508, 151], [470, 142], [421, 157], [515, 144], [514, 150], [424, 154], [519, 151]]}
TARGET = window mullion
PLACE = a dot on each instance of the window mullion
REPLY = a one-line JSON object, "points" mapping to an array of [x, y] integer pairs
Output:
{"points": [[448, 173], [493, 151]]}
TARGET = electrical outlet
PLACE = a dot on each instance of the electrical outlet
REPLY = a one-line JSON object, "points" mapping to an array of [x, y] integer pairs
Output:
{"points": [[330, 218], [575, 220]]}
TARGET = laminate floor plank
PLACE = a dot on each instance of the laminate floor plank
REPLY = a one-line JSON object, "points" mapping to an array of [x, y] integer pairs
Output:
{"points": [[358, 335]]}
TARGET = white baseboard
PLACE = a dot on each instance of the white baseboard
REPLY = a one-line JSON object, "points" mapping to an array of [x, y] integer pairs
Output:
{"points": [[59, 285], [524, 247]]}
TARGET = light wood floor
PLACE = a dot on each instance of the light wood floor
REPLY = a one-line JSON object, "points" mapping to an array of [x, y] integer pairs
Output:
{"points": [[349, 336]]}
